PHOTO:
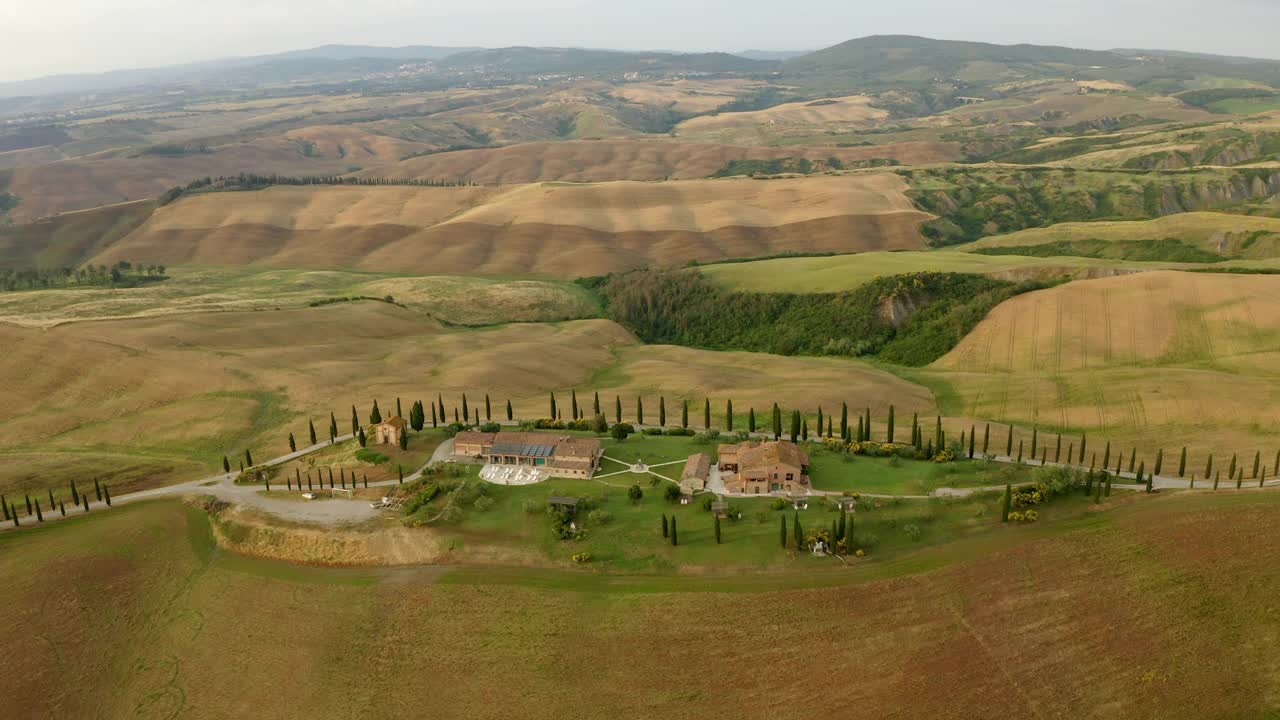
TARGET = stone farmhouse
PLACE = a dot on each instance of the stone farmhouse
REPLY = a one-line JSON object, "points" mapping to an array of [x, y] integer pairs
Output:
{"points": [[555, 454], [758, 469], [694, 478], [389, 431]]}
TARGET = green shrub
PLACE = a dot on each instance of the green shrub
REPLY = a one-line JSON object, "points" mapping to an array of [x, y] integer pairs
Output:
{"points": [[599, 517], [372, 457]]}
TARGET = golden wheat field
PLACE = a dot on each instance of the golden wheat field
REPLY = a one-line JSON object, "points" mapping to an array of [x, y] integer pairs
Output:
{"points": [[1153, 360], [854, 110], [545, 229], [611, 160], [1224, 233]]}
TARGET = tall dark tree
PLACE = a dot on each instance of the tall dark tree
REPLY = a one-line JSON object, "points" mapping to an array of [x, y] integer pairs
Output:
{"points": [[889, 432], [795, 425], [675, 540], [1019, 452], [293, 445], [684, 414], [97, 492], [820, 420], [1133, 457], [311, 430], [972, 430], [360, 436], [1208, 466], [706, 414], [40, 515], [404, 440], [106, 494], [1106, 456], [1159, 462], [866, 427], [1057, 451], [662, 411], [844, 421], [466, 409], [751, 420], [355, 420], [915, 428], [1182, 462], [75, 492], [1082, 443], [717, 517], [226, 464], [728, 415], [665, 531], [375, 415], [511, 413], [804, 429], [796, 531], [777, 422], [596, 403], [784, 532], [573, 400], [554, 412], [1035, 439], [939, 440], [617, 409], [399, 412], [440, 409], [488, 407], [986, 439], [248, 458], [333, 427], [639, 409], [1008, 450], [1257, 458]]}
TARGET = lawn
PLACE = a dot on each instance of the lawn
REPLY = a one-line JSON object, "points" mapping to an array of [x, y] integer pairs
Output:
{"points": [[832, 470], [138, 606]]}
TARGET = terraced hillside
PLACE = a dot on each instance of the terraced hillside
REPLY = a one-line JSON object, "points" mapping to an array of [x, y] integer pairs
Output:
{"points": [[549, 229]]}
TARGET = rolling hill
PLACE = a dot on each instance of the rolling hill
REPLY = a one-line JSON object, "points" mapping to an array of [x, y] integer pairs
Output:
{"points": [[558, 230]]}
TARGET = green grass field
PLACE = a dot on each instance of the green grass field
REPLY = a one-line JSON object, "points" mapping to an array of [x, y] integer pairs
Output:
{"points": [[846, 272], [451, 299], [153, 620]]}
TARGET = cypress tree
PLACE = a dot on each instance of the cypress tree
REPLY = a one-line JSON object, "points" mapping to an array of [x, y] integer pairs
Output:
{"points": [[40, 515], [662, 411], [844, 421], [1193, 481], [1208, 466], [1216, 477], [106, 494], [640, 410], [1019, 452], [751, 420], [706, 414], [684, 414], [52, 502], [1106, 456], [293, 445], [573, 401], [1240, 478], [97, 492], [839, 533], [399, 413], [554, 414], [1007, 505], [375, 415], [674, 539], [915, 427], [1071, 453], [333, 424], [797, 531], [617, 408], [784, 532], [1035, 439], [717, 529], [1276, 464], [1008, 449], [466, 409], [14, 517], [866, 427], [777, 422], [848, 533], [972, 430], [728, 415], [795, 425], [226, 464], [1082, 444], [365, 477], [1232, 471], [330, 478], [62, 508], [248, 458], [889, 433], [938, 441], [360, 436], [820, 420], [664, 525], [986, 439], [1159, 462], [75, 494], [1057, 451], [804, 430], [596, 403], [511, 413], [440, 403], [311, 428], [1119, 463], [1182, 463], [1257, 458], [1133, 456], [268, 482], [1142, 469], [355, 421], [1262, 477], [85, 498], [404, 441]]}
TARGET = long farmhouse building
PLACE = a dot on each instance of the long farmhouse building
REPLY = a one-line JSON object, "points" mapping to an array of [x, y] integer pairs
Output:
{"points": [[557, 455], [759, 469]]}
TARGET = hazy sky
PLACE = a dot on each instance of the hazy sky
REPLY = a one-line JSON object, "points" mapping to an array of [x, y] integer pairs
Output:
{"points": [[40, 37]]}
